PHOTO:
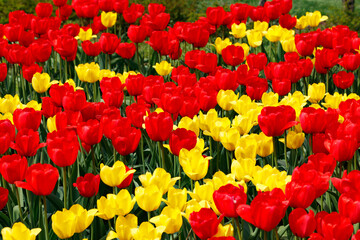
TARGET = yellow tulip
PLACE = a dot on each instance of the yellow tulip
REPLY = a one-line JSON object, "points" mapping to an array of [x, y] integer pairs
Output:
{"points": [[33, 104], [9, 103], [316, 92], [107, 73], [270, 99], [205, 121], [51, 124], [123, 76], [268, 178], [176, 198], [226, 99], [107, 206], [193, 163], [41, 82], [288, 44], [202, 192], [124, 226], [108, 19], [261, 26], [294, 140], [302, 22], [19, 231], [219, 179], [83, 217], [221, 44], [274, 33], [218, 126], [113, 176], [170, 218], [296, 100], [243, 168], [148, 198], [238, 30], [8, 116], [246, 147], [333, 101], [242, 123], [314, 18], [254, 38], [195, 206], [88, 72], [164, 68], [147, 231], [160, 178], [190, 124], [85, 35], [225, 230], [64, 223], [244, 104], [229, 138], [245, 47], [124, 202], [264, 145]]}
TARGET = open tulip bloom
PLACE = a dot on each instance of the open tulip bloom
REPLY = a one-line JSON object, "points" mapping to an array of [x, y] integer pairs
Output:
{"points": [[125, 121]]}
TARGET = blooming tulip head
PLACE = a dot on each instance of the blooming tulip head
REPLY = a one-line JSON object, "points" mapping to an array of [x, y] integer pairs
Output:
{"points": [[148, 198], [115, 175], [88, 185], [41, 82], [163, 68], [194, 164], [170, 218], [19, 231], [108, 19]]}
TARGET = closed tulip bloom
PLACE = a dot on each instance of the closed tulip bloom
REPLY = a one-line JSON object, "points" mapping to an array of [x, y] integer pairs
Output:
{"points": [[40, 179], [83, 217], [313, 120], [273, 121], [204, 223], [160, 178], [88, 72], [19, 231], [4, 197], [243, 124], [107, 207], [176, 198], [108, 43], [41, 82], [115, 175], [243, 169], [124, 202], [221, 44], [137, 34], [193, 163], [343, 79], [88, 185], [27, 142], [108, 19], [254, 38], [233, 55], [85, 34], [163, 68], [13, 168], [230, 138], [135, 84], [148, 198], [316, 92], [227, 198], [125, 139], [91, 49], [335, 226], [238, 30], [349, 206], [64, 223], [350, 62], [182, 138], [170, 218], [90, 132], [302, 224], [27, 118], [148, 231], [124, 227], [159, 126], [294, 140], [226, 99], [266, 210], [126, 50]]}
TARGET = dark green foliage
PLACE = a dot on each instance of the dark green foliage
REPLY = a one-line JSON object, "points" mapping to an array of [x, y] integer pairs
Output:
{"points": [[340, 17]]}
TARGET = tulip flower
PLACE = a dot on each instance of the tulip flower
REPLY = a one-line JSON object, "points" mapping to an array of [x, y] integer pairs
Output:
{"points": [[40, 179], [163, 68], [343, 79], [4, 197], [107, 206], [266, 209], [90, 132], [335, 226], [88, 72], [238, 30], [246, 147], [226, 99], [109, 43], [314, 18], [83, 217], [148, 198], [233, 55], [27, 142], [191, 124], [348, 182], [125, 139], [268, 178], [302, 224], [126, 50], [193, 163], [170, 218], [159, 126], [316, 92], [108, 19], [3, 71], [13, 168], [115, 175], [230, 138], [124, 227], [204, 223], [85, 34], [41, 82], [159, 178], [176, 198], [254, 38], [227, 198], [349, 204], [147, 230], [64, 223], [182, 138], [221, 44], [88, 185], [19, 231]]}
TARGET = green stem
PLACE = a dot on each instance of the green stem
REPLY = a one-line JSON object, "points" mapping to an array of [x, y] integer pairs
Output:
{"points": [[285, 151], [65, 187], [161, 147], [94, 92], [19, 203], [238, 228], [275, 151], [93, 159], [142, 153], [149, 215], [45, 219], [66, 71], [327, 82], [276, 233]]}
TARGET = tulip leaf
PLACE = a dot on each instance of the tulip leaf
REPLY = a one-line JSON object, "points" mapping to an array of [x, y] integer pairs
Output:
{"points": [[55, 201], [4, 220]]}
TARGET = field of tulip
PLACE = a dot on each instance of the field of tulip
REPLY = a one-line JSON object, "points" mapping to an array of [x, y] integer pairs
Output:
{"points": [[244, 124]]}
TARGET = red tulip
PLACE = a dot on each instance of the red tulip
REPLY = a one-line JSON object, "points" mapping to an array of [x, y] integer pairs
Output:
{"points": [[136, 34], [59, 3], [132, 13], [343, 79], [125, 139], [159, 126], [66, 46], [257, 61], [207, 98], [134, 84], [335, 226], [233, 55], [90, 132], [49, 108], [322, 162], [106, 5], [325, 59], [126, 50], [171, 100], [41, 50], [29, 71], [226, 79], [190, 107], [40, 179], [112, 91], [108, 43], [3, 71], [62, 147], [349, 206], [342, 148], [127, 181], [43, 9], [73, 100], [12, 32], [4, 197], [7, 135], [87, 9], [255, 87], [13, 168], [196, 34], [240, 11], [27, 118], [305, 44], [281, 86], [227, 198], [215, 15], [120, 5], [273, 121], [27, 142], [64, 12], [350, 62], [302, 224], [136, 113], [348, 183], [26, 38], [287, 21], [356, 236], [204, 223], [88, 185], [164, 42], [313, 120], [266, 210], [91, 49], [258, 14], [182, 138]]}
